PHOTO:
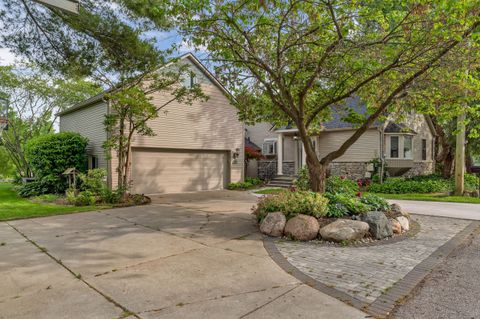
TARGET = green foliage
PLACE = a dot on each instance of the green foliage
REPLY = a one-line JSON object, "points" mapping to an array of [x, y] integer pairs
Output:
{"points": [[341, 204], [49, 156], [94, 180], [85, 198], [424, 184], [471, 182], [52, 154], [375, 202], [302, 182], [249, 183], [336, 184], [292, 204], [112, 196]]}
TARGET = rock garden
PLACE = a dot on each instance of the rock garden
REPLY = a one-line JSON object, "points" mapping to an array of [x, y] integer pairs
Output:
{"points": [[341, 215]]}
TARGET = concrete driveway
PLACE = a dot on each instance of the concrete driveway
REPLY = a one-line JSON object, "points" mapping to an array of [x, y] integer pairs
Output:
{"points": [[442, 209], [185, 256]]}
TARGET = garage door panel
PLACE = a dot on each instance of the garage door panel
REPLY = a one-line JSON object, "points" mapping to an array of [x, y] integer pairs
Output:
{"points": [[177, 171]]}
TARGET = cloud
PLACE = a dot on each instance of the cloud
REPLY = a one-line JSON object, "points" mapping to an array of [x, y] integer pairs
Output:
{"points": [[7, 57]]}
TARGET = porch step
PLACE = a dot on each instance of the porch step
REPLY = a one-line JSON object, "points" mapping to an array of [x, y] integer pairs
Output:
{"points": [[281, 181]]}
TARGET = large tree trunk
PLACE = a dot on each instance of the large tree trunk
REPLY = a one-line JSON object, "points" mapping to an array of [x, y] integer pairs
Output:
{"points": [[447, 164], [316, 170]]}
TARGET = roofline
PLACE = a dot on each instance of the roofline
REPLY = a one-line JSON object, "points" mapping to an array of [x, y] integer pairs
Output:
{"points": [[99, 97]]}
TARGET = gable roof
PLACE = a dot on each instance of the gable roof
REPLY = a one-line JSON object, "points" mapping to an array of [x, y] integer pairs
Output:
{"points": [[99, 97]]}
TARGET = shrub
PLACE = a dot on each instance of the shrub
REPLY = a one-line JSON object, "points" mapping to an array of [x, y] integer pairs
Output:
{"points": [[341, 204], [471, 182], [239, 185], [292, 204], [49, 184], [302, 182], [398, 185], [49, 156], [111, 197], [375, 202], [249, 183], [253, 180], [85, 198], [336, 184], [93, 180]]}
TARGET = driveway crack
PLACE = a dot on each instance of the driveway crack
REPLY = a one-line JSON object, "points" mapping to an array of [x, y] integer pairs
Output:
{"points": [[76, 275]]}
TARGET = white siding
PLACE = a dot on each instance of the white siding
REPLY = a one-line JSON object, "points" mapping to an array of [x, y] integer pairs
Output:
{"points": [[89, 123], [366, 148]]}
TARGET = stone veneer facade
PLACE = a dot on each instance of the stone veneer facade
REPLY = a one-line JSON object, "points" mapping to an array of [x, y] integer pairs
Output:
{"points": [[420, 168], [351, 170]]}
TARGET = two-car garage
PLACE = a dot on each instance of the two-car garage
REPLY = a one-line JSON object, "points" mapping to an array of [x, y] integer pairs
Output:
{"points": [[174, 170]]}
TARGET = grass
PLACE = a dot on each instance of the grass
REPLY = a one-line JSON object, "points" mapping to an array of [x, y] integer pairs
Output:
{"points": [[433, 198], [268, 191], [13, 206]]}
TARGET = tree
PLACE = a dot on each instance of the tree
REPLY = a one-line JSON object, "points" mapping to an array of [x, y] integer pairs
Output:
{"points": [[108, 43], [294, 61], [132, 107], [34, 102], [452, 89]]}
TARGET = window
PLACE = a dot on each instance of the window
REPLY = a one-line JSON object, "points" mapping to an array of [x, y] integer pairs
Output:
{"points": [[393, 146], [407, 147], [189, 80], [424, 149], [269, 147], [92, 162]]}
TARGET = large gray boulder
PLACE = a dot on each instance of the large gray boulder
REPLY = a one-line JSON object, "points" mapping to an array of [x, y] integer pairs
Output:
{"points": [[344, 230], [273, 224], [380, 226], [302, 227]]}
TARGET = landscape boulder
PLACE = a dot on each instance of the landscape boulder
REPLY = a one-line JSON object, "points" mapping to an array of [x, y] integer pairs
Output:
{"points": [[273, 224], [396, 211], [302, 227], [396, 226], [344, 230], [380, 226], [404, 223]]}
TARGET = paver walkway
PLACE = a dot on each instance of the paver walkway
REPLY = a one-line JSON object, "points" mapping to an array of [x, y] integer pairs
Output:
{"points": [[184, 256], [367, 272], [454, 210]]}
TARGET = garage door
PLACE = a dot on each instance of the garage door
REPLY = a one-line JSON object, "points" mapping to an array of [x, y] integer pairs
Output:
{"points": [[155, 172]]}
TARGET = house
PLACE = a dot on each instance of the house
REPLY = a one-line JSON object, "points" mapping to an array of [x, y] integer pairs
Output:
{"points": [[196, 147], [407, 147]]}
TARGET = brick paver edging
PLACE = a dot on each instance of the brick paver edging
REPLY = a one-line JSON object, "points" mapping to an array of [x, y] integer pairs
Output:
{"points": [[383, 305]]}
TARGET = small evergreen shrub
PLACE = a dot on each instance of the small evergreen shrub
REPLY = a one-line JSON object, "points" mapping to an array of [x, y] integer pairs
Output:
{"points": [[49, 156], [249, 183]]}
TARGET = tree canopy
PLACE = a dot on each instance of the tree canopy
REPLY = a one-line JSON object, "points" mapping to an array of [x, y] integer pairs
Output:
{"points": [[295, 61]]}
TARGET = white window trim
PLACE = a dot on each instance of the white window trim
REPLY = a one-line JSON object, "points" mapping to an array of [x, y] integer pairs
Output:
{"points": [[266, 143], [401, 146]]}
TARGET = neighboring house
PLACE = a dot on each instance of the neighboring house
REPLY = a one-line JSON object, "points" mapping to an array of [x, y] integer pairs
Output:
{"points": [[195, 147], [407, 148]]}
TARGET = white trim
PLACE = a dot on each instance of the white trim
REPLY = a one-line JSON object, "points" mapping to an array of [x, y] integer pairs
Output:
{"points": [[289, 130], [66, 5]]}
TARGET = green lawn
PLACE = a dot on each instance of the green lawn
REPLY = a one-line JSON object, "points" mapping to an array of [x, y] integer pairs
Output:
{"points": [[433, 198], [14, 207]]}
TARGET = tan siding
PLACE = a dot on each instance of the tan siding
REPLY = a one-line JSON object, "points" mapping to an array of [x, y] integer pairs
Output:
{"points": [[259, 132], [210, 125], [419, 124], [364, 149], [89, 123]]}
